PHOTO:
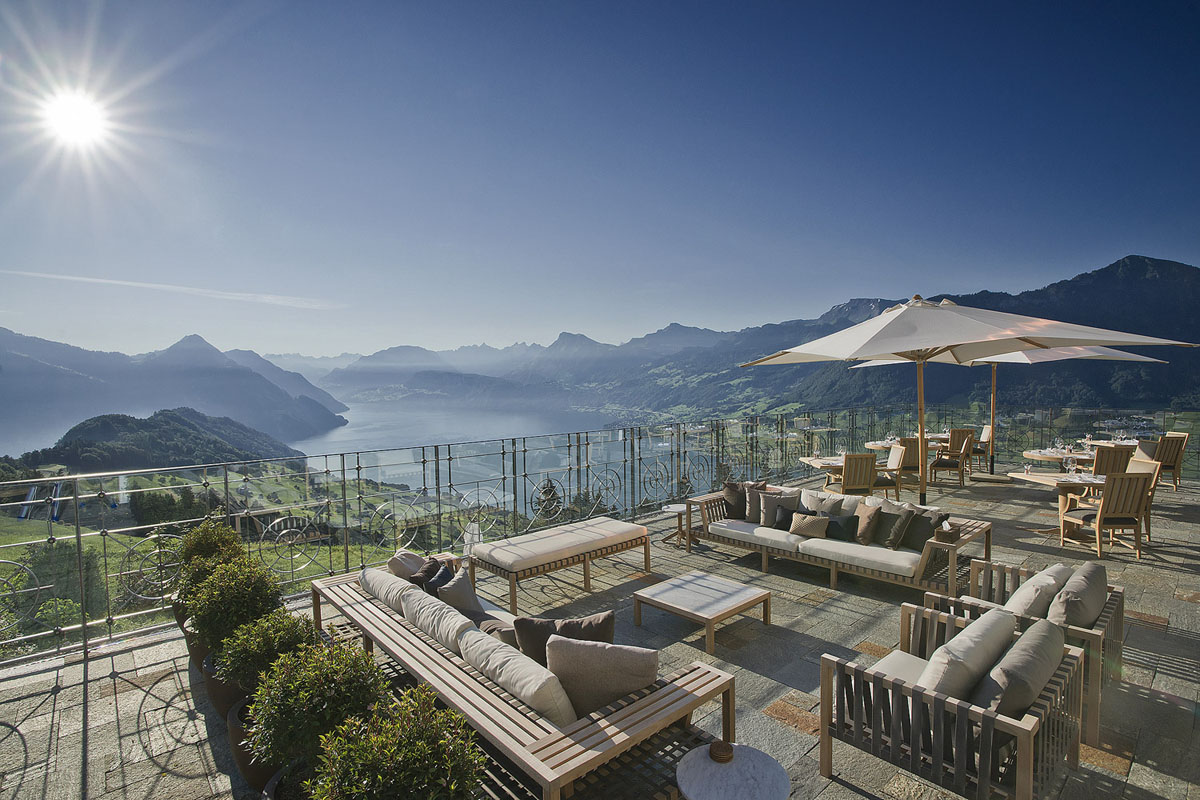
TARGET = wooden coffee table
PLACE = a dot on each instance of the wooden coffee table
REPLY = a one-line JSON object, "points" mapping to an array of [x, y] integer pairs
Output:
{"points": [[702, 598]]}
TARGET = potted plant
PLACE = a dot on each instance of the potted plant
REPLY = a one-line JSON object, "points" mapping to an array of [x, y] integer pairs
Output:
{"points": [[235, 593], [409, 748], [305, 694], [249, 651], [211, 542]]}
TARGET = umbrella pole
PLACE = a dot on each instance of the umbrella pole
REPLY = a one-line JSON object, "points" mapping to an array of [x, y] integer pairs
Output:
{"points": [[922, 448], [992, 441]]}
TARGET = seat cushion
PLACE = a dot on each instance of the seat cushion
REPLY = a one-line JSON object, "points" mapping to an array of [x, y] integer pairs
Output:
{"points": [[595, 674], [534, 632], [386, 587], [870, 556], [1087, 518], [959, 665], [901, 665], [436, 618], [1015, 682], [944, 463], [1082, 597], [519, 675], [552, 544], [755, 535]]}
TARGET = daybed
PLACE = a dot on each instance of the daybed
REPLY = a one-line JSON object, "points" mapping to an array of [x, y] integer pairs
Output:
{"points": [[934, 566]]}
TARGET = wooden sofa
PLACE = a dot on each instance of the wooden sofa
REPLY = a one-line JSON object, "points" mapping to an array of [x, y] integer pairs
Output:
{"points": [[935, 568], [964, 748], [993, 584], [555, 758], [558, 548]]}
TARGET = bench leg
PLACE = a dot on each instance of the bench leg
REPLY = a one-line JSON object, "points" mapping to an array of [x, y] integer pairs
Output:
{"points": [[710, 637], [767, 610], [471, 571], [646, 548], [316, 610], [637, 611], [587, 574], [833, 577], [764, 561], [826, 753], [368, 644], [728, 726], [512, 595]]}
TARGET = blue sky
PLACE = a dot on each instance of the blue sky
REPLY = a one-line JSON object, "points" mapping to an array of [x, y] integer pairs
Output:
{"points": [[328, 177]]}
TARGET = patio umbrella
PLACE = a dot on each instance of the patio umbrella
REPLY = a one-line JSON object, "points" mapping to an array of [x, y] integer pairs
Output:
{"points": [[922, 331], [1031, 357]]}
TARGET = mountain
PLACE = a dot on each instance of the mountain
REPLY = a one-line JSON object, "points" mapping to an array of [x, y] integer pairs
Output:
{"points": [[486, 360], [388, 367], [293, 383], [313, 368], [45, 383], [166, 438], [673, 339]]}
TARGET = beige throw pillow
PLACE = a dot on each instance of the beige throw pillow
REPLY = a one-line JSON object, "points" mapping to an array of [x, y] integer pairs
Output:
{"points": [[459, 593], [519, 675], [808, 525], [405, 563], [595, 674], [754, 503], [956, 667], [867, 517]]}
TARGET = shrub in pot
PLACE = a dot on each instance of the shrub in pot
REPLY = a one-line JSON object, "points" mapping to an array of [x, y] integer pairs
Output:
{"points": [[234, 594], [307, 693], [409, 748], [211, 538], [249, 651], [191, 575]]}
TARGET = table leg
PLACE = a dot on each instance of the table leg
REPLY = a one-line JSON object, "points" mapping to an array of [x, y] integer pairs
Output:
{"points": [[728, 724], [587, 574], [637, 611], [767, 610], [710, 637], [316, 610]]}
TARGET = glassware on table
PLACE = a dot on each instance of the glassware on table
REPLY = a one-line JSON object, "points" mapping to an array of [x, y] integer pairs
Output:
{"points": [[1028, 468], [1058, 443], [816, 451], [1071, 465], [841, 451]]}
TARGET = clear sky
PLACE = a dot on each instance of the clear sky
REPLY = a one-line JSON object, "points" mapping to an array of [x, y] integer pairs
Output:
{"points": [[324, 177]]}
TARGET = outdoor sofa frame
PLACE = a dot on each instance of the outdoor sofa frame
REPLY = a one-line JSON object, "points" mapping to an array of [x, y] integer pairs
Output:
{"points": [[936, 571], [1101, 643], [553, 758], [961, 747]]}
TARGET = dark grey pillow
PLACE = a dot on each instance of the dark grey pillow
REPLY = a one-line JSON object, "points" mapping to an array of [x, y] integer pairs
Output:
{"points": [[842, 528], [1082, 597], [890, 528], [1017, 679], [735, 499], [754, 497], [829, 505], [534, 632], [777, 510], [920, 529], [426, 573]]}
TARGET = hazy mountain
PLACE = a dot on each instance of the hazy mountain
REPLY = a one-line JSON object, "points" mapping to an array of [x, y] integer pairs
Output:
{"points": [[313, 368], [385, 368], [46, 386], [293, 383], [673, 339], [486, 360], [166, 438]]}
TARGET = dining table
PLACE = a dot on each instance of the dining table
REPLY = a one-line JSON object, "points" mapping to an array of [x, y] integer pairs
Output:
{"points": [[1066, 483], [828, 463]]}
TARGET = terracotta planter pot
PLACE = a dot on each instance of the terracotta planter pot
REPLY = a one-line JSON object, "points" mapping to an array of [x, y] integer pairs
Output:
{"points": [[197, 649], [221, 694], [255, 773]]}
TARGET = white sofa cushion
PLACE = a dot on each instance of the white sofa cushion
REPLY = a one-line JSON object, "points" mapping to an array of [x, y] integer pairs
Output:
{"points": [[1033, 597], [1082, 597], [436, 618], [870, 556], [901, 665], [956, 667], [813, 501], [753, 534], [552, 544], [405, 562], [519, 675], [386, 587]]}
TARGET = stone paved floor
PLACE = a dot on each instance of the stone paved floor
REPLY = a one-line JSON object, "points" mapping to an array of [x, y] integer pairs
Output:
{"points": [[133, 722]]}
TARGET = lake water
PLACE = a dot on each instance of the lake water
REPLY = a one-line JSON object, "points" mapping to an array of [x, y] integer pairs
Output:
{"points": [[380, 425]]}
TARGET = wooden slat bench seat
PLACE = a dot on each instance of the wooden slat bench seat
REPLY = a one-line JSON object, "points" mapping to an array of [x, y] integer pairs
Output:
{"points": [[554, 758], [558, 548]]}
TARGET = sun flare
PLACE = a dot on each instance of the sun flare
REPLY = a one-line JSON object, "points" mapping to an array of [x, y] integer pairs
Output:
{"points": [[75, 119]]}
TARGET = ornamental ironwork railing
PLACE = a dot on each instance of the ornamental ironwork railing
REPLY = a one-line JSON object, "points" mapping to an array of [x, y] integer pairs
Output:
{"points": [[84, 558]]}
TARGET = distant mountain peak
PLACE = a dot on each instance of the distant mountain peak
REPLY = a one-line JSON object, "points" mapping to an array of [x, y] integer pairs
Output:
{"points": [[192, 350]]}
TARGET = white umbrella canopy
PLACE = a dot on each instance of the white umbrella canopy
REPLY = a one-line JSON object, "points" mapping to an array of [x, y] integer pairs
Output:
{"points": [[1030, 357], [922, 331]]}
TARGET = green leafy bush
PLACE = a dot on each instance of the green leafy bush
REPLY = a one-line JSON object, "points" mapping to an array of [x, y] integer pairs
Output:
{"points": [[211, 538], [252, 648], [409, 748], [235, 593], [307, 693]]}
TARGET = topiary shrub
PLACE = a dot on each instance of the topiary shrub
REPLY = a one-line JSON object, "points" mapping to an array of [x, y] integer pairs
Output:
{"points": [[307, 693], [405, 749], [235, 593], [252, 648], [212, 538]]}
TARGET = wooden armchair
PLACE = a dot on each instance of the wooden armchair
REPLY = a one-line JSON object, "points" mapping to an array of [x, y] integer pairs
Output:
{"points": [[857, 475], [1169, 452], [954, 460], [1123, 506], [983, 447], [912, 457], [961, 747], [891, 476], [992, 584], [1110, 459]]}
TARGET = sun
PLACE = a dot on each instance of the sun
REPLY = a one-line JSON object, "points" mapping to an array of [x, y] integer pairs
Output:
{"points": [[75, 119]]}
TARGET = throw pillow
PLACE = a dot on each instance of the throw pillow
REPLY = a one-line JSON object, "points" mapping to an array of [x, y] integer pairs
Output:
{"points": [[775, 507], [956, 667], [804, 524], [405, 563], [1013, 685], [425, 574], [1082, 597], [534, 632], [459, 593], [892, 525], [754, 503], [735, 499], [518, 674], [842, 528], [920, 529], [819, 502], [1033, 597], [867, 518], [443, 576], [595, 674]]}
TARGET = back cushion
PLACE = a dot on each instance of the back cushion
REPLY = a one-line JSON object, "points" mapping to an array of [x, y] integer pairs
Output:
{"points": [[957, 666], [436, 618], [385, 586], [519, 675], [1082, 597], [595, 674], [1012, 686], [734, 493], [1033, 597], [533, 632], [405, 563]]}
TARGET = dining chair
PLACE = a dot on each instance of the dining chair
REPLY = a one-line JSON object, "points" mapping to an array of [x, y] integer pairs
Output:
{"points": [[982, 448], [858, 475], [1122, 507], [1169, 453], [954, 460], [912, 456], [891, 476]]}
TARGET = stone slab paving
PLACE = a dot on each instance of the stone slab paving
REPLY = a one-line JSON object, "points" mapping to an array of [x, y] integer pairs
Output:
{"points": [[133, 722]]}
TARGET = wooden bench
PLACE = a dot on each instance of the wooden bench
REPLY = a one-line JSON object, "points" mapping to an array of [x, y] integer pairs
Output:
{"points": [[1101, 643], [961, 747], [552, 757], [936, 571], [552, 562]]}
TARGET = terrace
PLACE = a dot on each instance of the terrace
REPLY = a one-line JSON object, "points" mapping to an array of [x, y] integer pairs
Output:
{"points": [[131, 719]]}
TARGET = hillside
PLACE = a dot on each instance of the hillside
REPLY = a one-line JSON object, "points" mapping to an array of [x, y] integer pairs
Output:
{"points": [[166, 438]]}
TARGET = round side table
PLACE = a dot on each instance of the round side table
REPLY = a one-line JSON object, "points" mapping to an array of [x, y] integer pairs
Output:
{"points": [[678, 509], [750, 774]]}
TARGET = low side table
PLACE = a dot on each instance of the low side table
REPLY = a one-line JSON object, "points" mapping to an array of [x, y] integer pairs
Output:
{"points": [[751, 774], [678, 509], [702, 598]]}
